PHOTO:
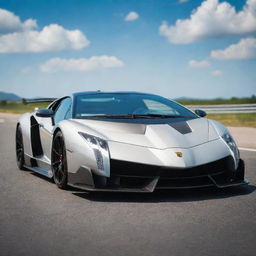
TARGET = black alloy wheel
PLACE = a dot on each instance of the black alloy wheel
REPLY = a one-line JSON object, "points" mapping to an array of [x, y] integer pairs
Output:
{"points": [[19, 148], [59, 161]]}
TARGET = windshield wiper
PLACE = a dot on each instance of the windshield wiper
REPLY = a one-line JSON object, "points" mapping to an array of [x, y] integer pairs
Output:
{"points": [[155, 116], [108, 116], [133, 116]]}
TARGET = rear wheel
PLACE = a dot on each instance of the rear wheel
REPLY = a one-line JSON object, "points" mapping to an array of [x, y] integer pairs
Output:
{"points": [[19, 148], [59, 161]]}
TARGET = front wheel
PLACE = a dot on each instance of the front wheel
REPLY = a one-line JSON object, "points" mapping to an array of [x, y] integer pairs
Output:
{"points": [[19, 148], [59, 161]]}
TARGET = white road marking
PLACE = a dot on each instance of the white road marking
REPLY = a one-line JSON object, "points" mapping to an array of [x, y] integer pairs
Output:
{"points": [[248, 149], [2, 121]]}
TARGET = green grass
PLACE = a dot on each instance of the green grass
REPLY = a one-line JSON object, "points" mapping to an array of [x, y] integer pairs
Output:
{"points": [[219, 101], [241, 119], [19, 108]]}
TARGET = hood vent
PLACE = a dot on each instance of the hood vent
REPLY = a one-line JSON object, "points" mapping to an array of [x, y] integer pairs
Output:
{"points": [[181, 127]]}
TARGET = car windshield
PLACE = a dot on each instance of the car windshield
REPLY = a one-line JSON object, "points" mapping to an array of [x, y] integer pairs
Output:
{"points": [[127, 105]]}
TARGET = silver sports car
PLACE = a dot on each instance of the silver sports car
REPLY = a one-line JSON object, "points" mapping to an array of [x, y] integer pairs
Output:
{"points": [[126, 141]]}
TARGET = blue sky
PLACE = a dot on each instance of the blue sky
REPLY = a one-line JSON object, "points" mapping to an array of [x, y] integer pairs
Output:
{"points": [[97, 46]]}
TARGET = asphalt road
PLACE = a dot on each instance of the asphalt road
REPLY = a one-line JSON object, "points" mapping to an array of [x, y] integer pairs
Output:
{"points": [[37, 218]]}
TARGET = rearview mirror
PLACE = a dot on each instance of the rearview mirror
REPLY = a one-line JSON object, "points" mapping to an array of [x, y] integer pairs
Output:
{"points": [[200, 112], [44, 113]]}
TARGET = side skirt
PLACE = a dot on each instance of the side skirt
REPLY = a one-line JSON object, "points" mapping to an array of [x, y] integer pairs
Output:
{"points": [[42, 171], [39, 165]]}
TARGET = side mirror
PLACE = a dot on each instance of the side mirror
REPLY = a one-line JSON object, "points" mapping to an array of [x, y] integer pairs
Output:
{"points": [[44, 113], [200, 112]]}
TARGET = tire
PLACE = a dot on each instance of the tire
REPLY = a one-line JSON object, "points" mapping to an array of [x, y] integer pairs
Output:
{"points": [[59, 161], [19, 148]]}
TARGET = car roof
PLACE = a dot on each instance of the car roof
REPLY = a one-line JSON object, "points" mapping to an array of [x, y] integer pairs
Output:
{"points": [[72, 95], [105, 92]]}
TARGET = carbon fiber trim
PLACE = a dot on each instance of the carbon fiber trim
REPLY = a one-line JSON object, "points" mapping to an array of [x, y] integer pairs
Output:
{"points": [[181, 127], [125, 168]]}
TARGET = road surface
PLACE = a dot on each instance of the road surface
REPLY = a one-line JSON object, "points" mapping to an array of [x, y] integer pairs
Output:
{"points": [[37, 218]]}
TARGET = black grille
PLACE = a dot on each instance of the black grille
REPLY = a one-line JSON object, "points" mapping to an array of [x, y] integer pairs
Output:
{"points": [[125, 168], [184, 183]]}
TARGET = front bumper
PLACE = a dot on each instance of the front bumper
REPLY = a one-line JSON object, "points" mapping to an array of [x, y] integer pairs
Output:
{"points": [[135, 177]]}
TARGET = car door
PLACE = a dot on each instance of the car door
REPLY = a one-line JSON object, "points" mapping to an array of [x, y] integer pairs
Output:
{"points": [[62, 111]]}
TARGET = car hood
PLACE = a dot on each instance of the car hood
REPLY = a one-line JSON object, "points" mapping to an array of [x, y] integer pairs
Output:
{"points": [[170, 134]]}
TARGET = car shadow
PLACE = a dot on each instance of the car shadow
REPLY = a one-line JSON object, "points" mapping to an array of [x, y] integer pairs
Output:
{"points": [[161, 196], [40, 176]]}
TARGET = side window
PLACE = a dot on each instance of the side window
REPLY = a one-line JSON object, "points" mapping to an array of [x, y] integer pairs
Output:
{"points": [[62, 111], [69, 113]]}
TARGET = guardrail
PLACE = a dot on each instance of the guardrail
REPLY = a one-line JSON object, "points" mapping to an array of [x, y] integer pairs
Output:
{"points": [[219, 109]]}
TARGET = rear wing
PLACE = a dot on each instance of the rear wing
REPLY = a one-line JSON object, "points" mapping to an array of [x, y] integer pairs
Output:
{"points": [[38, 100]]}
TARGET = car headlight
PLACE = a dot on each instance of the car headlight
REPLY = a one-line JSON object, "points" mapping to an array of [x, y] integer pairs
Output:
{"points": [[232, 145], [100, 149]]}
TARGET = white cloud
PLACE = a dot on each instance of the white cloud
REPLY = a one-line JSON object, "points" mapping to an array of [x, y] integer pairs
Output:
{"points": [[244, 49], [131, 16], [198, 64], [217, 72], [18, 37], [50, 38], [81, 65], [212, 19], [9, 23]]}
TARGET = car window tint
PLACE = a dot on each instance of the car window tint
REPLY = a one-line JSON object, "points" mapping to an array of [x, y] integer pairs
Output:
{"points": [[87, 105], [159, 108], [62, 110], [69, 113]]}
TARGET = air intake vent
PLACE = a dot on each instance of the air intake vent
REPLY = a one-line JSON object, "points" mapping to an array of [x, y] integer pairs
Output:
{"points": [[181, 127]]}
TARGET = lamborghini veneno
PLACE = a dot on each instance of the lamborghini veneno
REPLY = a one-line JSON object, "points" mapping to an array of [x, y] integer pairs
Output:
{"points": [[126, 141]]}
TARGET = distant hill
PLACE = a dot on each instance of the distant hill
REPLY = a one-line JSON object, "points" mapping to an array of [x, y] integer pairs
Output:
{"points": [[9, 96]]}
